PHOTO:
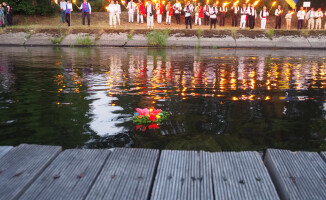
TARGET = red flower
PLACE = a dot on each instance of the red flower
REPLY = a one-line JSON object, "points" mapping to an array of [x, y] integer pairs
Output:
{"points": [[152, 126], [152, 117]]}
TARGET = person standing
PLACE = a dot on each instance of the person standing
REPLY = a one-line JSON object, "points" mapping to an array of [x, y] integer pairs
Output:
{"points": [[68, 12], [169, 13], [8, 13], [206, 13], [140, 12], [311, 18], [243, 19], [248, 12], [288, 18], [86, 11], [213, 15], [198, 14], [188, 11], [159, 11], [118, 11], [150, 14], [112, 17], [235, 10], [278, 18], [301, 15], [223, 11], [131, 10], [253, 16], [2, 17], [263, 17], [177, 10], [63, 6], [319, 15]]}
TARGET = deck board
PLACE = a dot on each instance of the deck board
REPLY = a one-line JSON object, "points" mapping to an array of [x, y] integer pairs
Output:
{"points": [[70, 176], [127, 174], [241, 175], [183, 175], [21, 166], [297, 175], [323, 155], [4, 150]]}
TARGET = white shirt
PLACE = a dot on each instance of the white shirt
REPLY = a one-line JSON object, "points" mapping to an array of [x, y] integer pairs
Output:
{"points": [[63, 5], [177, 7], [288, 16], [223, 9], [69, 6], [131, 7], [278, 12], [117, 9], [112, 8], [248, 11], [206, 8], [188, 11], [253, 12], [243, 11], [213, 11], [263, 14], [319, 14], [235, 9], [301, 14], [310, 14], [149, 9]]}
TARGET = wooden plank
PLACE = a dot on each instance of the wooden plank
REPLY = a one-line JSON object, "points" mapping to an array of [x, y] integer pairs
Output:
{"points": [[4, 150], [127, 174], [21, 166], [70, 176], [297, 175], [183, 175], [241, 175]]}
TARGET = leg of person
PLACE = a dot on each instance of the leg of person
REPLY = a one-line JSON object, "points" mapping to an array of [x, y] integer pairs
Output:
{"points": [[68, 18], [142, 19], [199, 20], [196, 19], [89, 19], [167, 18], [115, 21], [186, 20], [178, 15], [84, 15], [148, 21], [223, 19], [215, 21], [63, 16], [110, 19], [138, 16], [301, 24], [190, 22], [276, 21], [253, 22], [236, 20], [233, 19], [280, 27], [152, 21], [118, 19]]}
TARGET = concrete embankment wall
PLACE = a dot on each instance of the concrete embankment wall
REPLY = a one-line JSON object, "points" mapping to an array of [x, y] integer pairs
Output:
{"points": [[180, 38]]}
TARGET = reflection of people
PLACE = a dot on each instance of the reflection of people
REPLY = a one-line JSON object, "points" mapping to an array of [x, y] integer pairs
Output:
{"points": [[86, 11]]}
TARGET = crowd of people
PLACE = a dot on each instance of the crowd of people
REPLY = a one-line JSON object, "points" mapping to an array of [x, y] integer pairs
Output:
{"points": [[5, 15]]}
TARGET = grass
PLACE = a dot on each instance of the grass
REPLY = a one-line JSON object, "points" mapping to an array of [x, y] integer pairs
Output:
{"points": [[200, 33], [56, 40], [158, 38], [234, 34], [270, 34], [84, 41], [130, 34], [305, 33]]}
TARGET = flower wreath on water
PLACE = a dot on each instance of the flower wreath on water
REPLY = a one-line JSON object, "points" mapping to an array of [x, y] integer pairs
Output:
{"points": [[147, 116]]}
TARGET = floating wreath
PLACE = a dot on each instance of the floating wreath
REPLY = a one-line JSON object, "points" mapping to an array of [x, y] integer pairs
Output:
{"points": [[148, 116]]}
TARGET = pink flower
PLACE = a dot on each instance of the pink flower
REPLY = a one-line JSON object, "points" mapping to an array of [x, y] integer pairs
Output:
{"points": [[154, 111], [144, 112]]}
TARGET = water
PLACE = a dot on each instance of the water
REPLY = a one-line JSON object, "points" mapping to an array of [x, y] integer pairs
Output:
{"points": [[219, 100]]}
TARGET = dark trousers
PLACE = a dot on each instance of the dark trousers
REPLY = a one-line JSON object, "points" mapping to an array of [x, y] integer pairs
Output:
{"points": [[235, 19], [300, 23], [88, 18], [213, 21], [278, 22], [68, 18], [222, 20], [252, 22], [177, 17], [9, 19], [247, 21], [188, 21], [206, 19]]}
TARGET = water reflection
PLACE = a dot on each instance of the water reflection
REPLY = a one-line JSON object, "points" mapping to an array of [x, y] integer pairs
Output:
{"points": [[218, 99]]}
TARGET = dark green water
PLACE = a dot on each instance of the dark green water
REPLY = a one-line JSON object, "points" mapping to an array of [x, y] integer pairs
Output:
{"points": [[219, 100]]}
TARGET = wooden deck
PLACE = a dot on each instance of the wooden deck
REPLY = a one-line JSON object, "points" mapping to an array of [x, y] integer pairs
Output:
{"points": [[46, 172]]}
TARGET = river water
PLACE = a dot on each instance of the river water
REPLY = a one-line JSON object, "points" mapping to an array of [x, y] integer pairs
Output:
{"points": [[218, 100]]}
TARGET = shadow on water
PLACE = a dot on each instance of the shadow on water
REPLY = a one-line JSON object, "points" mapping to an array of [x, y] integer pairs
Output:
{"points": [[219, 100]]}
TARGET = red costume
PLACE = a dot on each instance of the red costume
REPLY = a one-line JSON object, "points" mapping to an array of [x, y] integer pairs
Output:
{"points": [[171, 11], [201, 12], [161, 8], [141, 9]]}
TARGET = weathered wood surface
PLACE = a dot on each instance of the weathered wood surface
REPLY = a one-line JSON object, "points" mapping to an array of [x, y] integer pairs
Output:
{"points": [[70, 176], [127, 174], [183, 175], [241, 176], [21, 166], [297, 175], [4, 150]]}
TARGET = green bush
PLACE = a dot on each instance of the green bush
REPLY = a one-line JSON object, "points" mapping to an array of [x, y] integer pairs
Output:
{"points": [[84, 41], [157, 37], [30, 7]]}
